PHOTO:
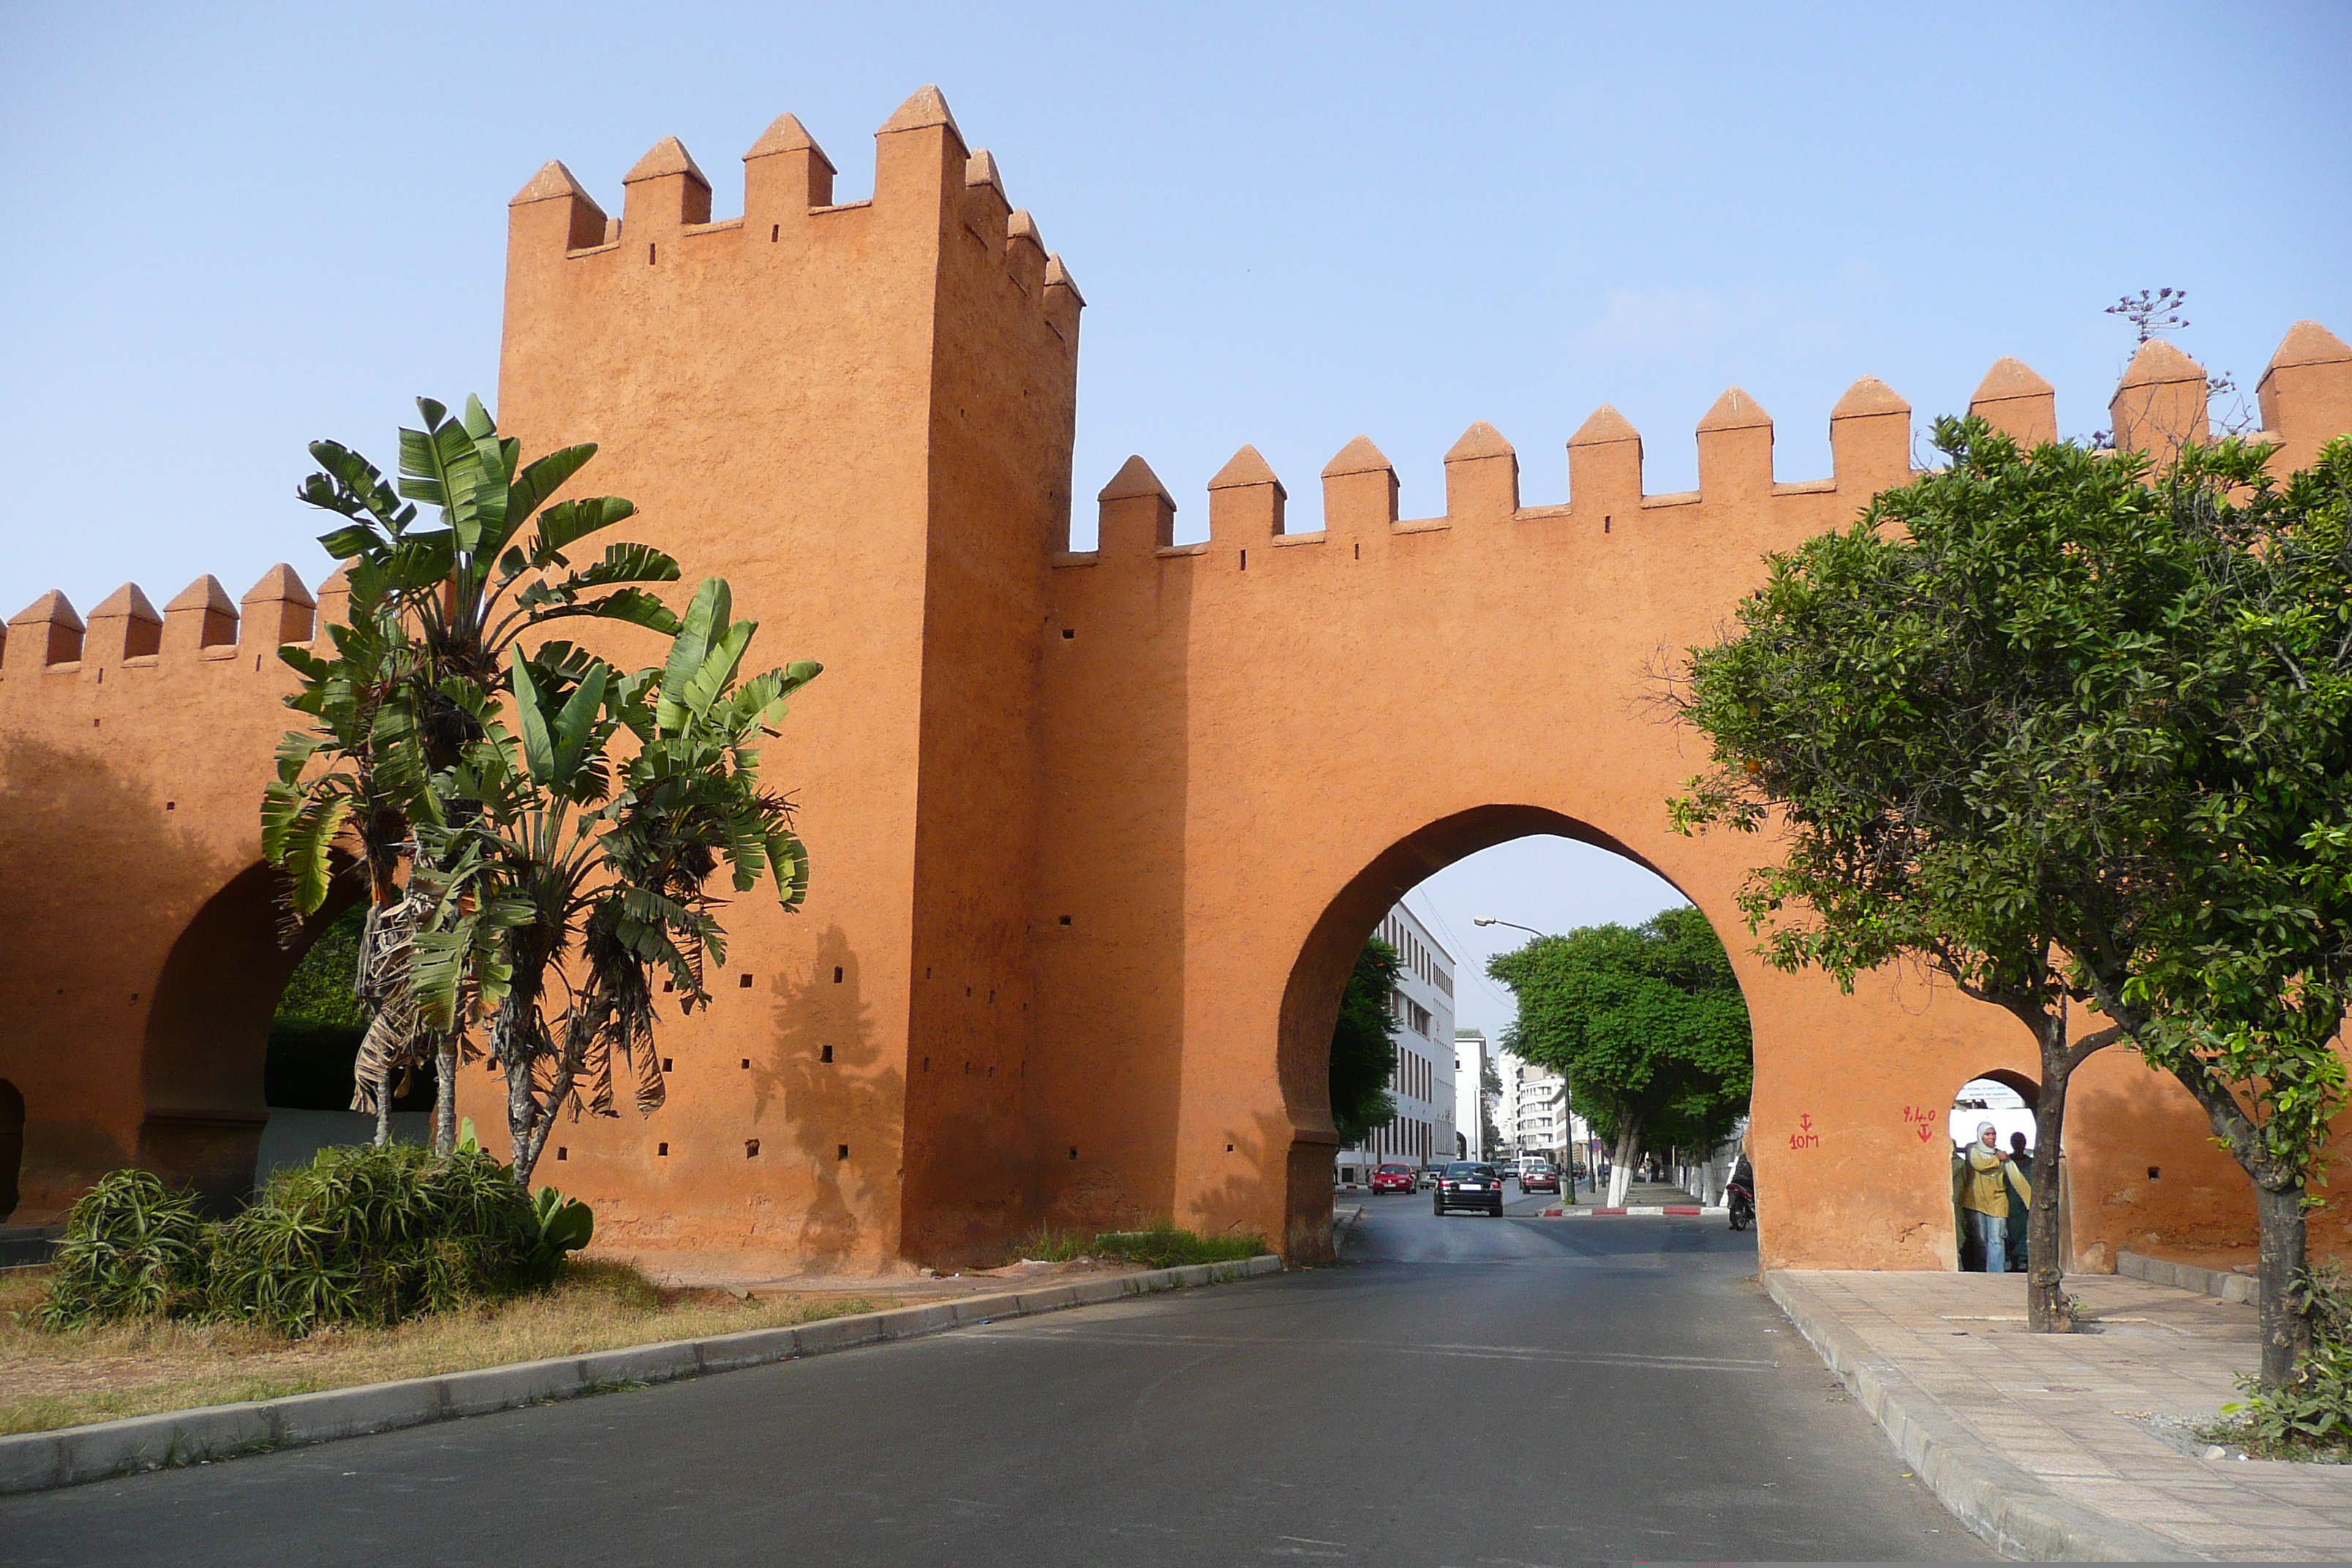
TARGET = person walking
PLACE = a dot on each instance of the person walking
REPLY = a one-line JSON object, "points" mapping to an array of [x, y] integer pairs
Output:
{"points": [[1983, 1182]]}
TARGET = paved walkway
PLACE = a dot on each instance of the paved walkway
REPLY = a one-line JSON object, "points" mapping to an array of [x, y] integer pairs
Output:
{"points": [[2070, 1445]]}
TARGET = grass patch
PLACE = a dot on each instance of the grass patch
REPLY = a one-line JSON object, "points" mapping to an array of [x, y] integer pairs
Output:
{"points": [[140, 1365], [1159, 1245]]}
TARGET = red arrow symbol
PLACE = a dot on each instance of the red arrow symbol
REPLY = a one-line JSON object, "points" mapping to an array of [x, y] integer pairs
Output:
{"points": [[1806, 1122]]}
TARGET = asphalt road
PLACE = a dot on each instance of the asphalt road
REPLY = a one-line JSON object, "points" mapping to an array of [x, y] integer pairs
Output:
{"points": [[1466, 1391]]}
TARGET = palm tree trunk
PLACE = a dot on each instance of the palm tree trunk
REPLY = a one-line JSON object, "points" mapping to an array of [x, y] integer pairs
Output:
{"points": [[445, 1096], [384, 1108]]}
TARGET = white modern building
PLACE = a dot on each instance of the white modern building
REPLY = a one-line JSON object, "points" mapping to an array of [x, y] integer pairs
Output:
{"points": [[1534, 1117], [1423, 1131], [1470, 1059]]}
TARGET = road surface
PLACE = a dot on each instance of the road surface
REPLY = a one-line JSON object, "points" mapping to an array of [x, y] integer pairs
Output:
{"points": [[1465, 1391]]}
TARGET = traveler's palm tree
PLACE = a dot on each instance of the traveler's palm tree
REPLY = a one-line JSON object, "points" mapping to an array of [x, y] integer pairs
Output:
{"points": [[598, 868], [441, 606]]}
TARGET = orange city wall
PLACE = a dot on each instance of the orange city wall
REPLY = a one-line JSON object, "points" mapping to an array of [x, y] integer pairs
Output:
{"points": [[1096, 835]]}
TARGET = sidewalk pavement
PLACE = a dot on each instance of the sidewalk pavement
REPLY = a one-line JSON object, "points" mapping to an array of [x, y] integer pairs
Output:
{"points": [[2070, 1445]]}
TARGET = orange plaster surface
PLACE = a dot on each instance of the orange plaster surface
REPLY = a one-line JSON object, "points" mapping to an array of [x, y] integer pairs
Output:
{"points": [[1096, 835]]}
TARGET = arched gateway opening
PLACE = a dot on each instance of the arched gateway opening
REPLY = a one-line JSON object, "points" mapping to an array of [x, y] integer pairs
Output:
{"points": [[205, 1058], [1320, 975]]}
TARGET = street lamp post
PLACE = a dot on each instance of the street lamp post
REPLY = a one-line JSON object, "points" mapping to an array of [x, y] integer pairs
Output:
{"points": [[1567, 1094]]}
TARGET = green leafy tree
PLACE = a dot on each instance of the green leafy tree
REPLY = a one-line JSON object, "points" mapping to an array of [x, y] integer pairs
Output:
{"points": [[2065, 732], [1647, 1024], [589, 864], [434, 612], [1363, 1046]]}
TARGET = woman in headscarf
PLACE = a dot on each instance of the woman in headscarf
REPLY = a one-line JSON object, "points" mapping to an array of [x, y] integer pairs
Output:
{"points": [[1983, 1182]]}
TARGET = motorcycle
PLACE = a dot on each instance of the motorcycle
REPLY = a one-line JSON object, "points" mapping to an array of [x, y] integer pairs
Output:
{"points": [[1741, 1202]]}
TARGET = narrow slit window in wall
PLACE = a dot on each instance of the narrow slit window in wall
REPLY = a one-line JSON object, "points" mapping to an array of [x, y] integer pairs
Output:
{"points": [[826, 1054], [662, 1150], [743, 983], [842, 1153], [750, 1148]]}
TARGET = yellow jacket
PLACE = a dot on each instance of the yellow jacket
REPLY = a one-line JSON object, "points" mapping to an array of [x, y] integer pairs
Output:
{"points": [[1981, 1181]]}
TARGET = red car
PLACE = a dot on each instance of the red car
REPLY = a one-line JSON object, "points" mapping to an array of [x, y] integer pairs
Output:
{"points": [[1392, 1179], [1543, 1180]]}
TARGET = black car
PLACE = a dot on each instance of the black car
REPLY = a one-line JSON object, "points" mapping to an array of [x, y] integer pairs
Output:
{"points": [[1469, 1184]]}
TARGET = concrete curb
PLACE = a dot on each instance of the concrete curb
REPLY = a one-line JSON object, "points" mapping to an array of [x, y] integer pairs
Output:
{"points": [[2218, 1283], [1687, 1211], [2012, 1511], [40, 1461]]}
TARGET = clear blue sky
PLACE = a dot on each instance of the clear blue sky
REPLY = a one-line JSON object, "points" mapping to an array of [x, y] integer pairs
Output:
{"points": [[230, 229]]}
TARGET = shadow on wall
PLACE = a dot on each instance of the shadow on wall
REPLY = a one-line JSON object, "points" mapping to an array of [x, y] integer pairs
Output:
{"points": [[12, 1145], [841, 1103], [95, 872], [1271, 1161]]}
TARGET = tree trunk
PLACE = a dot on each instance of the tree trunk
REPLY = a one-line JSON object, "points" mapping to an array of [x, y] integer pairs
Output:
{"points": [[2046, 1272], [1629, 1149], [2278, 1208], [2286, 1334], [444, 1098], [384, 1108]]}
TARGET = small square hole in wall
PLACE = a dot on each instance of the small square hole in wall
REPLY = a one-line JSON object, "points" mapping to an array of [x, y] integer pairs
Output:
{"points": [[743, 983], [843, 1152], [1073, 1153], [750, 1148], [662, 1150], [666, 1065], [562, 1153], [170, 805], [1065, 920], [2151, 1172], [825, 1054], [1069, 634], [1229, 1148], [837, 974], [746, 1064], [668, 985]]}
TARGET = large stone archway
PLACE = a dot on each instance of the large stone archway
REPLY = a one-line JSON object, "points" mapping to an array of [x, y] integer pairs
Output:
{"points": [[1087, 828]]}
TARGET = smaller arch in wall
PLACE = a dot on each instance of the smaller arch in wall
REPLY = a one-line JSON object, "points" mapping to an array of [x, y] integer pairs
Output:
{"points": [[2008, 1100]]}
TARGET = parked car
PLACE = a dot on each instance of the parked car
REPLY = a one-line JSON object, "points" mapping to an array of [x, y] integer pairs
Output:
{"points": [[1392, 1179], [1426, 1180], [1469, 1184], [1539, 1179]]}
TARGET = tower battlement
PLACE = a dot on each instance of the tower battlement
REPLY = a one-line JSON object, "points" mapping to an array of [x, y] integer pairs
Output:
{"points": [[926, 178]]}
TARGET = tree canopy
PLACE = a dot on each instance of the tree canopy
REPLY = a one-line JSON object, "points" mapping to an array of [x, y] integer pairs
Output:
{"points": [[1363, 1046], [2069, 729], [1647, 1023]]}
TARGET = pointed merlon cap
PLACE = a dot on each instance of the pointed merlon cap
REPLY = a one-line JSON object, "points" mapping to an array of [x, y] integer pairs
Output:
{"points": [[128, 603], [1135, 479], [2011, 377], [204, 594], [52, 608], [553, 181], [2308, 343], [979, 169], [927, 108], [787, 134], [1481, 440], [1059, 276], [1605, 426], [1867, 396], [1734, 410], [668, 157], [280, 584], [2158, 362], [1357, 456], [1243, 468], [1021, 225]]}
